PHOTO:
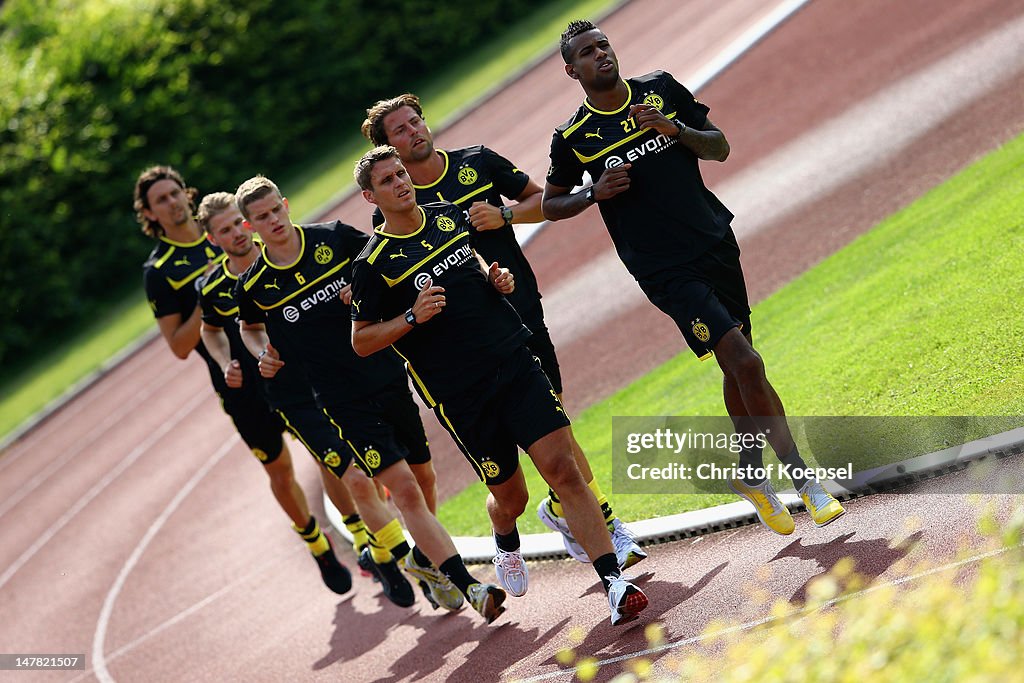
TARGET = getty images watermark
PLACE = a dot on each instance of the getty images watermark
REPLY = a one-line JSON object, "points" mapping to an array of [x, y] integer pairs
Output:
{"points": [[679, 455]]}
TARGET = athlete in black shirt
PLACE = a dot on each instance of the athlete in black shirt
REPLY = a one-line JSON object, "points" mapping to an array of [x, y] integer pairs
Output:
{"points": [[298, 291], [476, 179], [288, 394], [172, 272], [640, 139], [419, 286]]}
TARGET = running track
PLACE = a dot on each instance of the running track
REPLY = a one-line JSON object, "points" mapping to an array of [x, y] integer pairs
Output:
{"points": [[162, 556]]}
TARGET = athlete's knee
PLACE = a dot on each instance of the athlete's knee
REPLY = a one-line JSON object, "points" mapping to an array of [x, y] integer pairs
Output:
{"points": [[563, 475], [746, 366], [280, 472], [512, 501], [359, 485], [405, 489]]}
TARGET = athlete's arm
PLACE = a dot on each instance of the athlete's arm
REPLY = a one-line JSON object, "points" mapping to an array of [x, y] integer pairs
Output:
{"points": [[181, 336], [559, 203], [216, 341], [706, 143], [369, 337], [501, 278], [254, 336], [486, 216]]}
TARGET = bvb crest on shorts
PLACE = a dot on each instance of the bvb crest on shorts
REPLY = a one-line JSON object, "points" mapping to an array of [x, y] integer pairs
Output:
{"points": [[467, 175], [261, 455], [445, 224], [655, 101], [332, 459], [701, 331], [373, 458], [490, 468], [323, 254]]}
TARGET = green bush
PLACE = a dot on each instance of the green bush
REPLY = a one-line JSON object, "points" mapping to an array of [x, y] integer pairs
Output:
{"points": [[93, 91]]}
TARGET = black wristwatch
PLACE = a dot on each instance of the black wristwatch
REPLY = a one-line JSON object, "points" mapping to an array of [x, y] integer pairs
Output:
{"points": [[681, 126], [410, 318], [506, 214], [591, 199]]}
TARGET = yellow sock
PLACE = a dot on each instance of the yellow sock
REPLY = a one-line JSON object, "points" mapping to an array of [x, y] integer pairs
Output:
{"points": [[602, 501], [392, 538], [356, 527], [378, 552], [313, 537], [555, 504]]}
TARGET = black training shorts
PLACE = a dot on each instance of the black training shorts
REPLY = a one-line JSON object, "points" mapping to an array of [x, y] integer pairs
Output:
{"points": [[706, 297], [510, 409]]}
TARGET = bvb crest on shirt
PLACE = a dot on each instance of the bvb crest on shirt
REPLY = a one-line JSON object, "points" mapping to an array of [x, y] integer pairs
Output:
{"points": [[654, 101], [323, 254], [373, 458], [467, 175], [445, 224], [490, 468], [701, 331], [332, 459]]}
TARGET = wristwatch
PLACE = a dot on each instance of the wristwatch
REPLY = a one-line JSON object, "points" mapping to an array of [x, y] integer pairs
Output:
{"points": [[410, 318], [681, 126], [506, 214], [591, 199]]}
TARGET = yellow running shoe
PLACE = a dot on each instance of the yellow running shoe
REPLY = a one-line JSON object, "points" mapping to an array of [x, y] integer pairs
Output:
{"points": [[770, 510], [823, 507]]}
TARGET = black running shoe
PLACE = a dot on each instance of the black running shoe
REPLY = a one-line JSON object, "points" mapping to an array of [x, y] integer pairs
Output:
{"points": [[365, 562], [395, 586], [335, 575]]}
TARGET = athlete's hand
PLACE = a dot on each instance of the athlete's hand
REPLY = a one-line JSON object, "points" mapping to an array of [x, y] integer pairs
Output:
{"points": [[429, 302], [233, 374], [270, 362], [501, 278], [485, 216], [650, 117], [345, 294], [612, 182]]}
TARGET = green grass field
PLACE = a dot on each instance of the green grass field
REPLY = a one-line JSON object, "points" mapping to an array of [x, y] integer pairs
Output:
{"points": [[916, 317], [29, 389]]}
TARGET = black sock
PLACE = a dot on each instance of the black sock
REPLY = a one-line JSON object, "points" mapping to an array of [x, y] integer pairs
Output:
{"points": [[421, 559], [795, 462], [400, 550], [508, 542], [752, 459], [607, 566], [455, 569]]}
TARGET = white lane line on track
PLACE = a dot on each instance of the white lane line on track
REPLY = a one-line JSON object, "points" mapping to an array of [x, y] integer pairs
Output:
{"points": [[103, 483], [81, 443], [795, 613], [99, 663], [818, 161], [260, 570]]}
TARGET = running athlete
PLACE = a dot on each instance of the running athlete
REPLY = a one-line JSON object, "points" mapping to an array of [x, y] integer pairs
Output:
{"points": [[418, 286], [476, 179], [640, 140], [292, 406], [163, 205], [296, 296]]}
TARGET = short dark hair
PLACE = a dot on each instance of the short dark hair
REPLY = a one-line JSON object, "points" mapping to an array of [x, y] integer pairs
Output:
{"points": [[373, 126], [575, 27], [147, 179], [364, 167]]}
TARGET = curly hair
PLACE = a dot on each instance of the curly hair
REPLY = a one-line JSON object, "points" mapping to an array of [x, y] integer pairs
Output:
{"points": [[146, 180], [373, 126]]}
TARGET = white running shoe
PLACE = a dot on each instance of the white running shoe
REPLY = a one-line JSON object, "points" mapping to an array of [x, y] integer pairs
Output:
{"points": [[556, 523], [625, 600], [627, 551], [512, 573]]}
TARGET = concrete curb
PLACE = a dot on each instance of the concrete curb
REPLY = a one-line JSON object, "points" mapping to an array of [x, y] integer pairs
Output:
{"points": [[548, 546]]}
